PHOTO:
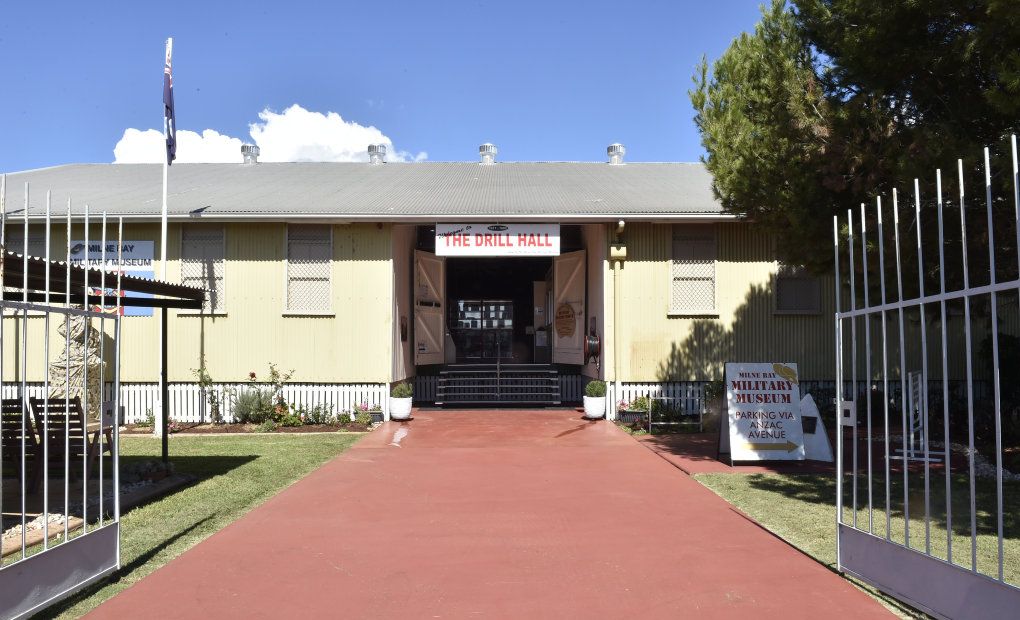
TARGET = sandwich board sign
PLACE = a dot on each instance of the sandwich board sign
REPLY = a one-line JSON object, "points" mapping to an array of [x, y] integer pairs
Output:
{"points": [[763, 412]]}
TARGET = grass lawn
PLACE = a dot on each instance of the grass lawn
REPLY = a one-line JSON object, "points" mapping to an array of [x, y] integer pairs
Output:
{"points": [[801, 509], [237, 473]]}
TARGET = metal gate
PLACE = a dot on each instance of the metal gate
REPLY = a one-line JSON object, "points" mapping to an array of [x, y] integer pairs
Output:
{"points": [[60, 501], [926, 510]]}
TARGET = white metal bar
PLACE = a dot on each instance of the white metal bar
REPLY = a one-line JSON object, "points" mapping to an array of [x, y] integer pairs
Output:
{"points": [[67, 375], [46, 388], [945, 374], [102, 362], [924, 369], [984, 289], [22, 369], [903, 372], [885, 370], [839, 394], [970, 372], [85, 386], [853, 353], [116, 384], [996, 388], [867, 361]]}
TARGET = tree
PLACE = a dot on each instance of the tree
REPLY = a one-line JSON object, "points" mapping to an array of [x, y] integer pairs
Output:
{"points": [[830, 102]]}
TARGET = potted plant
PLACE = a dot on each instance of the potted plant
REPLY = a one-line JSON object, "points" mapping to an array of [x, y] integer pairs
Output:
{"points": [[400, 401], [595, 399]]}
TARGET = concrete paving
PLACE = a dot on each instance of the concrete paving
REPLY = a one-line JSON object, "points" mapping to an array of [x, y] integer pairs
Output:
{"points": [[494, 514]]}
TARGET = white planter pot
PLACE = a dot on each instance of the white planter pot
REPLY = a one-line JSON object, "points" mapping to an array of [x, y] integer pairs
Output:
{"points": [[594, 407], [400, 408]]}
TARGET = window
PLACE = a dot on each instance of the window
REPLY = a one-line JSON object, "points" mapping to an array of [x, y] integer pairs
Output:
{"points": [[797, 291], [693, 270], [203, 255], [309, 261]]}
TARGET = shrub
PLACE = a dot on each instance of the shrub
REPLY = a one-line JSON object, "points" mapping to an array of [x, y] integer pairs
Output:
{"points": [[402, 390], [253, 405], [595, 388], [267, 426], [344, 418], [150, 419], [363, 418], [290, 419], [319, 414]]}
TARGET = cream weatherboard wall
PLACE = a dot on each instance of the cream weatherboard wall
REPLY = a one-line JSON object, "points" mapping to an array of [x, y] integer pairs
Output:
{"points": [[350, 344], [657, 346]]}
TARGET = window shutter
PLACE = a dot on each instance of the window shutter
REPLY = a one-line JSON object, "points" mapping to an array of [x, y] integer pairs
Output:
{"points": [[309, 261], [203, 262], [693, 270]]}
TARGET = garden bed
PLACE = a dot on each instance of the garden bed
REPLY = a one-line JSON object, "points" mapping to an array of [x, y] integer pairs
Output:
{"points": [[225, 429]]}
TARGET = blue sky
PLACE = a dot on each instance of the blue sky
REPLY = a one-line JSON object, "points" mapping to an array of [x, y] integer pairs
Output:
{"points": [[541, 80]]}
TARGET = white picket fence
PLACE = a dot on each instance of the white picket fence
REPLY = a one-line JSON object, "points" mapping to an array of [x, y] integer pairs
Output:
{"points": [[189, 403], [689, 396]]}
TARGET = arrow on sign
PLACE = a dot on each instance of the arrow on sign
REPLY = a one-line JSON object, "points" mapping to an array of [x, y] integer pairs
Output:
{"points": [[789, 446]]}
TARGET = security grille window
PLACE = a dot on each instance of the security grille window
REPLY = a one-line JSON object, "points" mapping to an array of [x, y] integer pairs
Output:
{"points": [[797, 291], [309, 259], [693, 270], [202, 263]]}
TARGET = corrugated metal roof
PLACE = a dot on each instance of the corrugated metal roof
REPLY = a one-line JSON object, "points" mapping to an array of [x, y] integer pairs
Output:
{"points": [[425, 190]]}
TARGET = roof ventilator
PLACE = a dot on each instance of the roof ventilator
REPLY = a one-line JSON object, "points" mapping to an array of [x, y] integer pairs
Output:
{"points": [[616, 152], [250, 152], [377, 153], [487, 153]]}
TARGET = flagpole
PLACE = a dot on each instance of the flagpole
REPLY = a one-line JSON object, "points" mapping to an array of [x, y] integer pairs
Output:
{"points": [[161, 428]]}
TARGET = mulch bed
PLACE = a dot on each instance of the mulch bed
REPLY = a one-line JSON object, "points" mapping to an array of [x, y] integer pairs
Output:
{"points": [[219, 429]]}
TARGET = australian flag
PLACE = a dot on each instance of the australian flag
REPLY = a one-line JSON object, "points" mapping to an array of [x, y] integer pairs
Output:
{"points": [[170, 125]]}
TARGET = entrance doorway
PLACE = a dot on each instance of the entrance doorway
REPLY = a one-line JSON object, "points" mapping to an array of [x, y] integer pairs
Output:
{"points": [[493, 309], [498, 329]]}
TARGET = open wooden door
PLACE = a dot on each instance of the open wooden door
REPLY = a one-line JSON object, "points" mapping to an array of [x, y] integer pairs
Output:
{"points": [[568, 280], [429, 308]]}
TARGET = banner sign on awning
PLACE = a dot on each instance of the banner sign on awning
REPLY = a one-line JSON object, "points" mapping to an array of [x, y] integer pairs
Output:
{"points": [[763, 403], [497, 239]]}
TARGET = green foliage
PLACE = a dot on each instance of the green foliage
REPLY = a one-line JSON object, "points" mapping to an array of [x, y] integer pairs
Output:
{"points": [[638, 404], [831, 101], [595, 388], [253, 405], [402, 390], [714, 389], [319, 414], [150, 418], [268, 426], [205, 382], [363, 418], [290, 419], [260, 402]]}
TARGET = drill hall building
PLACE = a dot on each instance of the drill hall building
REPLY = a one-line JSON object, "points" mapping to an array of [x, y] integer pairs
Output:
{"points": [[481, 283]]}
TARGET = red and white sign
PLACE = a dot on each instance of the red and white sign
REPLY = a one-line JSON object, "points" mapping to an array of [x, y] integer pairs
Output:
{"points": [[497, 239]]}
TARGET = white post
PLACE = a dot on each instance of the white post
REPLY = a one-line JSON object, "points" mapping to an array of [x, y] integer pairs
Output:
{"points": [[157, 428]]}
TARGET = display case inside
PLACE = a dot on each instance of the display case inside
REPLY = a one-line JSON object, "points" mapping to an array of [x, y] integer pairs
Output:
{"points": [[482, 329]]}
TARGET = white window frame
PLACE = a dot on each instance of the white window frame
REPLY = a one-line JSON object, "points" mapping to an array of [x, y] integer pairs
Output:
{"points": [[698, 232], [801, 274], [286, 273], [222, 311]]}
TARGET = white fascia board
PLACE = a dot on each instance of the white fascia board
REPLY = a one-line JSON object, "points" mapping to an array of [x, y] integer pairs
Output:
{"points": [[347, 218]]}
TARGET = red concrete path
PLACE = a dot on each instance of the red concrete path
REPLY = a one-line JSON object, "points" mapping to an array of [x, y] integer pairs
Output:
{"points": [[512, 514]]}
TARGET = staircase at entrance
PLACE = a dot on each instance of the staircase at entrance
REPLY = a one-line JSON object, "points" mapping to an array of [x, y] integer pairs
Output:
{"points": [[527, 384]]}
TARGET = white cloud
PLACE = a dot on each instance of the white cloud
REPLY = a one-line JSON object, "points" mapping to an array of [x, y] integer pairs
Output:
{"points": [[148, 147], [296, 134]]}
